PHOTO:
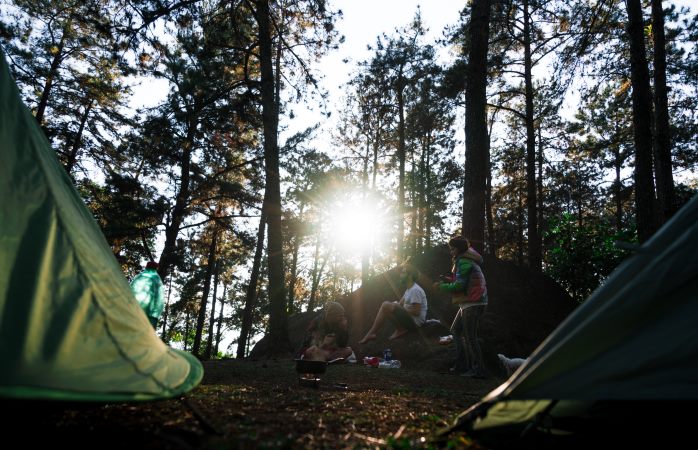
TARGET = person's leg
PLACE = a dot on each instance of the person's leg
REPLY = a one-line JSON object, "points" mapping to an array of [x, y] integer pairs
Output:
{"points": [[472, 321], [384, 312], [403, 322], [343, 352], [315, 353], [460, 364]]}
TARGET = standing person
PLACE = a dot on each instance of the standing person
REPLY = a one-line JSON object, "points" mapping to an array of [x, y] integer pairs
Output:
{"points": [[408, 314], [148, 290], [469, 290]]}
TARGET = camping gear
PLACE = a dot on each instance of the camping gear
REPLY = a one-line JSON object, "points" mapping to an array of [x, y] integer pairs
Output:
{"points": [[70, 327], [625, 362], [309, 371]]}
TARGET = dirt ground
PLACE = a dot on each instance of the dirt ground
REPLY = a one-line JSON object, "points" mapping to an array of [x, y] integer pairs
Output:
{"points": [[244, 404]]}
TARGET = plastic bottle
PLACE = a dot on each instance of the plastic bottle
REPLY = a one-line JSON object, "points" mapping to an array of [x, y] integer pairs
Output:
{"points": [[392, 364]]}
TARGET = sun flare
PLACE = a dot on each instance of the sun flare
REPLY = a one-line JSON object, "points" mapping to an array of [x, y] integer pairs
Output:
{"points": [[354, 226]]}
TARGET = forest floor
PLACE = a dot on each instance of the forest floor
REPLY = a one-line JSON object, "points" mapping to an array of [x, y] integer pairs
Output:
{"points": [[245, 404]]}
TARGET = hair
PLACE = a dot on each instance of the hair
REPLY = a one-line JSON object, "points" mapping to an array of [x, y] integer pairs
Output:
{"points": [[459, 242], [152, 265]]}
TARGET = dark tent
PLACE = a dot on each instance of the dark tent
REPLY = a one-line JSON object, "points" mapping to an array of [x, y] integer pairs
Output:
{"points": [[625, 363]]}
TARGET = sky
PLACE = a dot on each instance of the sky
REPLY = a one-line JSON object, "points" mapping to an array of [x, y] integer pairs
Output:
{"points": [[362, 22]]}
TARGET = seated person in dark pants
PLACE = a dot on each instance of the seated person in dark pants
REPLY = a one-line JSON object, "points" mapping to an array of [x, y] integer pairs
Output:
{"points": [[407, 314]]}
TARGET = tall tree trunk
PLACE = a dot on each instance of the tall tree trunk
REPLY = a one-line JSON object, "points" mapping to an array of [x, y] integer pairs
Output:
{"points": [[539, 187], [662, 138], [293, 276], [179, 212], [187, 327], [476, 139], [366, 249], [428, 212], [413, 208], [278, 332], [519, 231], [642, 123], [212, 317], [163, 335], [617, 186], [534, 250], [201, 318], [491, 246], [422, 206], [73, 154], [401, 162], [251, 295], [315, 276], [220, 320], [52, 72]]}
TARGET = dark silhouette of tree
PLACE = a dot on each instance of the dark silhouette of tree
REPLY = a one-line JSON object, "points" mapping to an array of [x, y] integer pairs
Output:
{"points": [[476, 135], [642, 123]]}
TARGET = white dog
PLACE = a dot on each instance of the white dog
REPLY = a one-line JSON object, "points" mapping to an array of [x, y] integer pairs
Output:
{"points": [[510, 364]]}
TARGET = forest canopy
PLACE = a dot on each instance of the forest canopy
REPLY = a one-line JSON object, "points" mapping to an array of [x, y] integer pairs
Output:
{"points": [[579, 119]]}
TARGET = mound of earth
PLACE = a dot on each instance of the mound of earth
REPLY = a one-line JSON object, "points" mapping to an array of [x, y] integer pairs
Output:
{"points": [[524, 307]]}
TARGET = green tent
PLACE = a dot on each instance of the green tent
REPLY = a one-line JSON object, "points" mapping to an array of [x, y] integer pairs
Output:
{"points": [[70, 328], [625, 362]]}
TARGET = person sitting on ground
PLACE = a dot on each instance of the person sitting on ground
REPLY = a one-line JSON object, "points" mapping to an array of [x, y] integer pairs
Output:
{"points": [[468, 289], [327, 335], [408, 314], [148, 290]]}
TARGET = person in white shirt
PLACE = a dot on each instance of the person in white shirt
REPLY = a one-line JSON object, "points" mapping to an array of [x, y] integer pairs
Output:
{"points": [[407, 314]]}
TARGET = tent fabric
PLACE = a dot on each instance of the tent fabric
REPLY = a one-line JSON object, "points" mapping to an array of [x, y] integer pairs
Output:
{"points": [[634, 338], [627, 356], [70, 327]]}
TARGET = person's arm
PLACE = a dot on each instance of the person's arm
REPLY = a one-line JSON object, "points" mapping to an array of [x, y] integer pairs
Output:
{"points": [[412, 305], [414, 308], [465, 266]]}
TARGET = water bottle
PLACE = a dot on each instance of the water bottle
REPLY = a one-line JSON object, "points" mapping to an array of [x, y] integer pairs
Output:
{"points": [[392, 364], [387, 354]]}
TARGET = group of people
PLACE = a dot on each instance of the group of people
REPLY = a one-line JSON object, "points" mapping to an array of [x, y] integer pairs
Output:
{"points": [[327, 333]]}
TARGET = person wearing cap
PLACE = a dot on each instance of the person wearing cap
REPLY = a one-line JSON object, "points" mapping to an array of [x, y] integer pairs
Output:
{"points": [[408, 314], [148, 290], [468, 290]]}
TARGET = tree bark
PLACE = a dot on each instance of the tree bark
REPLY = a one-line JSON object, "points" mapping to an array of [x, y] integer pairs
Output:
{"points": [[212, 317], [220, 320], [73, 154], [201, 317], [476, 138], [662, 139], [278, 332], [642, 123], [179, 211], [293, 276], [401, 161], [534, 250], [251, 297], [52, 72]]}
